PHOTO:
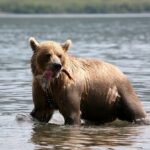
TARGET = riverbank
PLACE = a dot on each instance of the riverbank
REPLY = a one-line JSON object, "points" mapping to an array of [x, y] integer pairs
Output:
{"points": [[74, 6], [127, 15]]}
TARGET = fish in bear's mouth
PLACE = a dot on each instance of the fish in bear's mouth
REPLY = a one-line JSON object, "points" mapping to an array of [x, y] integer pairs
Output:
{"points": [[48, 75]]}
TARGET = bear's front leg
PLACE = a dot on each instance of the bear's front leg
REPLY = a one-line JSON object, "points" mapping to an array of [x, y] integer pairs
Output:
{"points": [[72, 118], [42, 112], [70, 108]]}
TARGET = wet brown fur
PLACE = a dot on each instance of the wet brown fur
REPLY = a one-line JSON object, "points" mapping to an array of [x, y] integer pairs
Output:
{"points": [[86, 96]]}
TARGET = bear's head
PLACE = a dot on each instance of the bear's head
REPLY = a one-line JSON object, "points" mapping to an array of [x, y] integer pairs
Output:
{"points": [[48, 58]]}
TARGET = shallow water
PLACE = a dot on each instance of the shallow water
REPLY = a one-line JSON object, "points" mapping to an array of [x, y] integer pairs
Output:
{"points": [[123, 41]]}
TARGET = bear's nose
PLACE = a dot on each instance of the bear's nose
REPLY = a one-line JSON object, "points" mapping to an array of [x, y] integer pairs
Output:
{"points": [[57, 66]]}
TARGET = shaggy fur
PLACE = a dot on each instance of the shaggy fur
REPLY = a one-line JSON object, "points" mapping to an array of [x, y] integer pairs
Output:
{"points": [[96, 91]]}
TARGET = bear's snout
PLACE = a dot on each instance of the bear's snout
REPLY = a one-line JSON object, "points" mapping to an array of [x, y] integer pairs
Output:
{"points": [[56, 66]]}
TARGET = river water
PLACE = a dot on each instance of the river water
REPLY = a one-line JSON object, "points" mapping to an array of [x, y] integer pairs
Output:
{"points": [[120, 40]]}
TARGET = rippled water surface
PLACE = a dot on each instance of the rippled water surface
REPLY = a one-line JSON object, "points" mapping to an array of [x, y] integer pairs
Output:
{"points": [[123, 41]]}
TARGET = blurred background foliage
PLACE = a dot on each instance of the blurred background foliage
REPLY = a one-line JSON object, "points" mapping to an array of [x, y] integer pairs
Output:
{"points": [[74, 6]]}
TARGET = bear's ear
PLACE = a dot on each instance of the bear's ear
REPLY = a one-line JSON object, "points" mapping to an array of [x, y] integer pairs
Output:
{"points": [[66, 45], [33, 43]]}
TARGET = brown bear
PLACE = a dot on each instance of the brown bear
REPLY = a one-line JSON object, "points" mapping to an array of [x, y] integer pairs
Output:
{"points": [[79, 88]]}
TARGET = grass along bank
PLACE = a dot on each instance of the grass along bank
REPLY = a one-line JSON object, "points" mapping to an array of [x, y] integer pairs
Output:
{"points": [[74, 6]]}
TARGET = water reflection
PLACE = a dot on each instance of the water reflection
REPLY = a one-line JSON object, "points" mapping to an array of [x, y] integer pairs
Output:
{"points": [[53, 137]]}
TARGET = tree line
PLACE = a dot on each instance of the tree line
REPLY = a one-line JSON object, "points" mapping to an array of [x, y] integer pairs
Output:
{"points": [[75, 6]]}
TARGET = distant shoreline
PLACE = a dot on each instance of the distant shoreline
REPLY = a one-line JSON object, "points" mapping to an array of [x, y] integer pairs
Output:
{"points": [[75, 6], [126, 15]]}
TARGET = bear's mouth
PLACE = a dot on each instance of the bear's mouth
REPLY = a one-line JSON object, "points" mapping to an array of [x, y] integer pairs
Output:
{"points": [[49, 74]]}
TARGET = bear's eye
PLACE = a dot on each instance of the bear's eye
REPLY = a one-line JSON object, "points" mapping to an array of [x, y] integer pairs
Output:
{"points": [[60, 56], [47, 56]]}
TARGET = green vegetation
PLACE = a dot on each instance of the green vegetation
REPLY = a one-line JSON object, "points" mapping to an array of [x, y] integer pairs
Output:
{"points": [[74, 6]]}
